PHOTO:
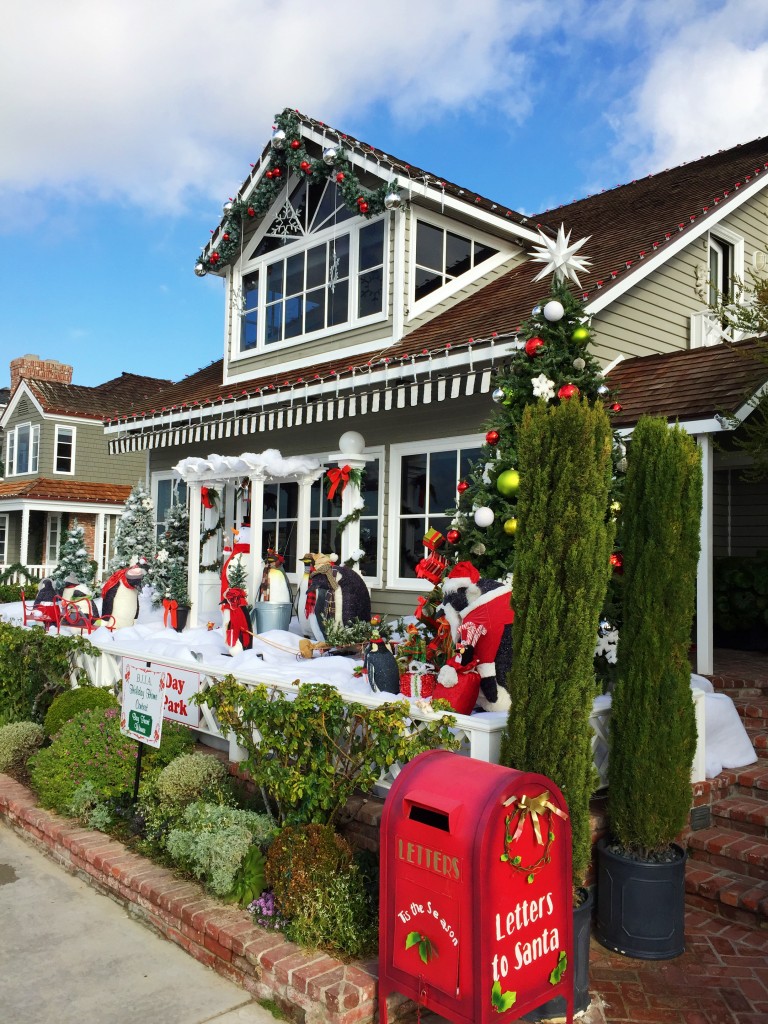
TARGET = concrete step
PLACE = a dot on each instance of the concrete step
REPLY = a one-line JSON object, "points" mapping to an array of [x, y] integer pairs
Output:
{"points": [[729, 850], [741, 813], [727, 893]]}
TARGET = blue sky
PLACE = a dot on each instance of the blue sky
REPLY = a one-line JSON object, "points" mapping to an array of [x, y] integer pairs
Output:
{"points": [[125, 125]]}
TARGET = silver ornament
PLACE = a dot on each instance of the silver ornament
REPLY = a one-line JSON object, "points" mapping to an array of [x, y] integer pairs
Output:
{"points": [[330, 154], [579, 364], [603, 390], [498, 394], [278, 139], [200, 270], [604, 627], [536, 310], [392, 201], [227, 208]]}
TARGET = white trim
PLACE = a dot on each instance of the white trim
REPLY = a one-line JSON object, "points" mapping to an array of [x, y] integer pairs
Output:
{"points": [[703, 223], [704, 571], [396, 453], [53, 517], [65, 505], [22, 389], [73, 431], [4, 526], [33, 462]]}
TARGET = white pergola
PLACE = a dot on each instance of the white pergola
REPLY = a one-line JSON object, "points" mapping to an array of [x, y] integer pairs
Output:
{"points": [[260, 469]]}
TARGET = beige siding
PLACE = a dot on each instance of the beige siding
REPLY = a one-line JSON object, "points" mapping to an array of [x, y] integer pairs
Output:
{"points": [[93, 463], [740, 525], [25, 412]]}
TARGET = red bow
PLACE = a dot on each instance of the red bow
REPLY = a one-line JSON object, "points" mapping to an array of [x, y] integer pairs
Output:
{"points": [[205, 498], [234, 597], [169, 612], [336, 477]]}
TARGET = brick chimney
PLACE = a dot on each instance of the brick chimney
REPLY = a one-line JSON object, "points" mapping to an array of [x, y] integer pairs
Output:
{"points": [[34, 367]]}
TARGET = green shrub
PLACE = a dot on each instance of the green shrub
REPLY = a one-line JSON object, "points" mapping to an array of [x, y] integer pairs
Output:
{"points": [[317, 748], [176, 740], [18, 742], [302, 859], [338, 917], [192, 777], [88, 748], [10, 593], [34, 667], [72, 702], [653, 726], [212, 842], [741, 592], [89, 808]]}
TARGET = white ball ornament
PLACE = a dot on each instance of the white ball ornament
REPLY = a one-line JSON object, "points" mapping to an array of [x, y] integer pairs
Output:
{"points": [[484, 517], [579, 364], [351, 442], [553, 311]]}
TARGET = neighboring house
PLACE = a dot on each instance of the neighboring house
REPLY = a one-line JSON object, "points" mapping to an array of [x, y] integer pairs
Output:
{"points": [[57, 464], [391, 325]]}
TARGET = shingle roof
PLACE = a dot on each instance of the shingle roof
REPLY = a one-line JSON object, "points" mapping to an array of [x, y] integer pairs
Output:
{"points": [[688, 385], [42, 489], [123, 394]]}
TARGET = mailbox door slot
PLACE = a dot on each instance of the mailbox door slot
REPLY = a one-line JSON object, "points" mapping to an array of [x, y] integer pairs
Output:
{"points": [[436, 811]]}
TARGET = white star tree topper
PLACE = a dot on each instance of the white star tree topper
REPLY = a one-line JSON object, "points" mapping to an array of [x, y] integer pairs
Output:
{"points": [[559, 257]]}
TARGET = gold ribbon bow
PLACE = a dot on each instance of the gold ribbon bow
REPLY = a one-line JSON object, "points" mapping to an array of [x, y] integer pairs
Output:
{"points": [[533, 807]]}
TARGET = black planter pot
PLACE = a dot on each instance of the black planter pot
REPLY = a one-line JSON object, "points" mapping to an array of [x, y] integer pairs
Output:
{"points": [[641, 906], [182, 614], [582, 927]]}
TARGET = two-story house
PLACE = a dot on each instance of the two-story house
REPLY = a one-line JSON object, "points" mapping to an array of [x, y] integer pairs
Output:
{"points": [[364, 294], [57, 464]]}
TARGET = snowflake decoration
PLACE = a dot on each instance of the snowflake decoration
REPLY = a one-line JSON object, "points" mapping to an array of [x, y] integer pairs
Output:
{"points": [[559, 257], [607, 646], [543, 387], [162, 556], [146, 503]]}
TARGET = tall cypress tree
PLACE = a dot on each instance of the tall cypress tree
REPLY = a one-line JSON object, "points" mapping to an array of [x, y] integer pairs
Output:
{"points": [[561, 571], [653, 728]]}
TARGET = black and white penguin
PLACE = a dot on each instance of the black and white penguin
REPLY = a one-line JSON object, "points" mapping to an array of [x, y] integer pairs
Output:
{"points": [[380, 666], [120, 595]]}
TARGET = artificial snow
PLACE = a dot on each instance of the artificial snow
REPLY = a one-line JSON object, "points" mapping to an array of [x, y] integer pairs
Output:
{"points": [[727, 742], [270, 462]]}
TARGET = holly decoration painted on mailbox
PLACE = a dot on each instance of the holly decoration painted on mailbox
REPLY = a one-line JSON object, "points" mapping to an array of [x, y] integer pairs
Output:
{"points": [[502, 1001], [539, 809], [425, 946], [560, 969]]}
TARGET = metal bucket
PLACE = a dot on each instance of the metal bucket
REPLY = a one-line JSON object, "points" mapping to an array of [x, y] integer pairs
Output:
{"points": [[270, 615]]}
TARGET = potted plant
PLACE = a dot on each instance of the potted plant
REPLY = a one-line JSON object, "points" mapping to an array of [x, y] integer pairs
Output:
{"points": [[641, 879], [561, 572], [177, 601]]}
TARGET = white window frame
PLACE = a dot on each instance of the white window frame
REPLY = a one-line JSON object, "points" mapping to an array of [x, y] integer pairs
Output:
{"points": [[396, 453], [52, 557], [352, 227], [505, 251], [3, 537], [61, 428], [175, 482], [12, 450], [720, 237]]}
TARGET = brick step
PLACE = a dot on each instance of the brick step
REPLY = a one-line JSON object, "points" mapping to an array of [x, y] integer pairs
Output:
{"points": [[740, 684], [752, 709], [726, 893], [727, 849], [750, 781], [758, 734], [740, 813], [743, 691]]}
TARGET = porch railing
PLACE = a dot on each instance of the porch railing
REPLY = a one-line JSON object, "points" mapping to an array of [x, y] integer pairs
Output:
{"points": [[38, 571]]}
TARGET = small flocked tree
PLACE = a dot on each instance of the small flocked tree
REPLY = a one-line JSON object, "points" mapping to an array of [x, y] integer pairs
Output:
{"points": [[172, 551], [561, 571], [74, 559], [135, 535], [653, 728], [553, 365]]}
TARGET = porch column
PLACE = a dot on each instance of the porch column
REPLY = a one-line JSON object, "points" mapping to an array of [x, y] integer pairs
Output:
{"points": [[255, 560], [98, 544], [704, 584], [24, 539], [304, 513], [351, 501], [193, 558]]}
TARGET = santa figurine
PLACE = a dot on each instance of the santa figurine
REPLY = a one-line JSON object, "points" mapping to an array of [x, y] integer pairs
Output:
{"points": [[235, 554], [458, 681]]}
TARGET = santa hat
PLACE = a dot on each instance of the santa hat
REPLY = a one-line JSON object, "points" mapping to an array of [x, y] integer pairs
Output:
{"points": [[461, 577]]}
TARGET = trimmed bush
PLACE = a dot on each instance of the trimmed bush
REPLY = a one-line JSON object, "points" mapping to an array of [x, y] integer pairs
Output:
{"points": [[18, 742], [338, 917], [192, 777], [72, 702], [653, 727], [303, 859], [561, 573]]}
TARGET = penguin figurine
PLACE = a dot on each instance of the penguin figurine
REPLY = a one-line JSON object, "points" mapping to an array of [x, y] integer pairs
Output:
{"points": [[301, 597], [46, 594], [80, 595], [275, 586], [120, 595], [335, 592], [380, 666]]}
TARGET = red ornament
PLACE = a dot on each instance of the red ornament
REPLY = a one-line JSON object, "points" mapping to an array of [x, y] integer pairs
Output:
{"points": [[532, 346], [462, 486], [276, 172], [340, 177], [617, 561], [214, 257], [251, 212], [306, 166], [492, 437], [615, 407], [453, 536], [225, 236], [363, 207], [270, 175], [567, 391], [295, 143]]}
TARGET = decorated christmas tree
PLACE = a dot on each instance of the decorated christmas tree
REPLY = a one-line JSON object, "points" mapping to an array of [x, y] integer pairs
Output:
{"points": [[552, 365], [135, 536], [74, 559], [172, 551]]}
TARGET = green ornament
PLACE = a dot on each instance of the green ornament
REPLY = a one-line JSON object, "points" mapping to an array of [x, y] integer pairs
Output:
{"points": [[508, 482], [581, 334]]}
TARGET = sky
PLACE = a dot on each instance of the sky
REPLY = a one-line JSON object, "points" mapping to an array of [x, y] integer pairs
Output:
{"points": [[126, 124]]}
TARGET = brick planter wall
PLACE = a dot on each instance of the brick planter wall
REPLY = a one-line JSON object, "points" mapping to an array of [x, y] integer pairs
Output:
{"points": [[311, 987]]}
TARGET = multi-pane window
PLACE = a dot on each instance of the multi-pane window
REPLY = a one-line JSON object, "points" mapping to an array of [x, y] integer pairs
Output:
{"points": [[324, 519], [64, 450], [427, 491], [720, 270], [169, 491], [53, 538], [442, 256], [23, 448], [315, 269], [280, 520], [3, 538]]}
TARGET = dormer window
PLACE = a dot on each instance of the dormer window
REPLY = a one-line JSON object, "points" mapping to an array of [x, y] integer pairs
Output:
{"points": [[22, 451], [316, 268]]}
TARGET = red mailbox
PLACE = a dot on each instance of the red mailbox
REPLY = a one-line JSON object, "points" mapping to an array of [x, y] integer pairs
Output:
{"points": [[476, 890]]}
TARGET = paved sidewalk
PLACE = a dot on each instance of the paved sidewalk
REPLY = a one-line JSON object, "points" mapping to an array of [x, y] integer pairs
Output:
{"points": [[69, 955]]}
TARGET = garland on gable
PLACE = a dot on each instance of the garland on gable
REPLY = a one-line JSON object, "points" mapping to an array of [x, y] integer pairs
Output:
{"points": [[289, 155]]}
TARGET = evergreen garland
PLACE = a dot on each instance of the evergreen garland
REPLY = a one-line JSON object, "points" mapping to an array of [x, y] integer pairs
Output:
{"points": [[292, 157], [561, 571], [653, 728], [562, 358]]}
